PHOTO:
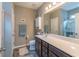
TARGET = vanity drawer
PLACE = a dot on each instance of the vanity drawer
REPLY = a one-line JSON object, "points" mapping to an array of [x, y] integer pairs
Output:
{"points": [[44, 49], [44, 52], [39, 53], [39, 50], [51, 54], [44, 43], [38, 40], [58, 52]]}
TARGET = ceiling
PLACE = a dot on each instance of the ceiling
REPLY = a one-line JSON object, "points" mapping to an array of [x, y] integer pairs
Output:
{"points": [[70, 6], [33, 5]]}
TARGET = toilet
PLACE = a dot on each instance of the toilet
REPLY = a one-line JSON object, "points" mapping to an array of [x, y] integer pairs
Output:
{"points": [[32, 45]]}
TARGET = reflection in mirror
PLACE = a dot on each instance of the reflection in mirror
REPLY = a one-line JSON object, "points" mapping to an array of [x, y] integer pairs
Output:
{"points": [[69, 27], [63, 20]]}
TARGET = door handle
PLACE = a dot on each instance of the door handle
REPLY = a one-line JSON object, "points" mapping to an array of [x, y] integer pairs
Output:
{"points": [[2, 49]]}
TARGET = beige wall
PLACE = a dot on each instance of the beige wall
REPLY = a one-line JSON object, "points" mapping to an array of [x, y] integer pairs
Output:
{"points": [[28, 15]]}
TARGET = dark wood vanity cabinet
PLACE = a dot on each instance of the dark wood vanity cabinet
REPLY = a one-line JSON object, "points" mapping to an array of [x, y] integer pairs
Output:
{"points": [[38, 46], [51, 54], [57, 52], [45, 49]]}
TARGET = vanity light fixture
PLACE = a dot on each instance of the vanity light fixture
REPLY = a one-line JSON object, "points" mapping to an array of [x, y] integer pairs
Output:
{"points": [[39, 22], [50, 5], [46, 8], [54, 3]]}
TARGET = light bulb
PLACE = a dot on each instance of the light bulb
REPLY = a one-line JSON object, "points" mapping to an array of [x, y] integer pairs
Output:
{"points": [[54, 3], [50, 6], [46, 8]]}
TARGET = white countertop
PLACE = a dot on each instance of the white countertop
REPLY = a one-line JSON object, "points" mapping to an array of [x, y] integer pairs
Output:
{"points": [[66, 44]]}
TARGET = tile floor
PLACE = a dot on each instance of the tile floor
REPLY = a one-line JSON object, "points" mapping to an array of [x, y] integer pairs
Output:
{"points": [[32, 53]]}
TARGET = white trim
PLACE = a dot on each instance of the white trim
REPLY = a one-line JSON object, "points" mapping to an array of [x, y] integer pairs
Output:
{"points": [[20, 46]]}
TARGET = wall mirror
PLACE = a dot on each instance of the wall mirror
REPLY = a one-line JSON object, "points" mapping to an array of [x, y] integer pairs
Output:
{"points": [[64, 20]]}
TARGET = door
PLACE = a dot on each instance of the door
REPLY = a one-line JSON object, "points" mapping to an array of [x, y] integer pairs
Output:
{"points": [[7, 29], [7, 36]]}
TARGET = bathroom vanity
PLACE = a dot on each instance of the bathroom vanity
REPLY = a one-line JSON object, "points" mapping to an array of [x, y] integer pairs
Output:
{"points": [[63, 24], [55, 46]]}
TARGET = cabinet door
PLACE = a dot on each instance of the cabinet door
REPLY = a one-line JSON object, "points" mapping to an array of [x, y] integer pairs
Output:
{"points": [[44, 54], [58, 52], [39, 49], [45, 44], [44, 51], [38, 46], [51, 54]]}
